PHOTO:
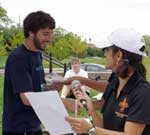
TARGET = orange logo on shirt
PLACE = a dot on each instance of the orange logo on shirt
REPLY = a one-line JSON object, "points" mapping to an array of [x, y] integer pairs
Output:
{"points": [[123, 104]]}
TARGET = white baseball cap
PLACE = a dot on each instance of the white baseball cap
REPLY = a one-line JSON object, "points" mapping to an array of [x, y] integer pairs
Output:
{"points": [[125, 38]]}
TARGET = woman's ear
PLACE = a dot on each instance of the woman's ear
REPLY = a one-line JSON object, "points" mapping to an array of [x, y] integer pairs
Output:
{"points": [[119, 56]]}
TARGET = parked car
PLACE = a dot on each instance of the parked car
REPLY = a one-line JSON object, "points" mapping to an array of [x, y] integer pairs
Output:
{"points": [[96, 71], [94, 67]]}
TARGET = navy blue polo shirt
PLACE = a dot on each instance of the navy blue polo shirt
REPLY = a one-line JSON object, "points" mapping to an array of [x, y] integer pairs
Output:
{"points": [[133, 104], [23, 73]]}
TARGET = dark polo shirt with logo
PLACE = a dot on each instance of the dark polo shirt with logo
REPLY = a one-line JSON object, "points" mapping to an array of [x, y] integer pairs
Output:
{"points": [[133, 104]]}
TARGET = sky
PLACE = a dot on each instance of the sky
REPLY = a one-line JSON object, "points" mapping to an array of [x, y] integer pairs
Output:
{"points": [[90, 19]]}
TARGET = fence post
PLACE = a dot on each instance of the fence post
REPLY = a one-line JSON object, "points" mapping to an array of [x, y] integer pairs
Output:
{"points": [[50, 63], [65, 68]]}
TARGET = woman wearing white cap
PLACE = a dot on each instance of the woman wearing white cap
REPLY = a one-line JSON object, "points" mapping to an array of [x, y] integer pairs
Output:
{"points": [[127, 98]]}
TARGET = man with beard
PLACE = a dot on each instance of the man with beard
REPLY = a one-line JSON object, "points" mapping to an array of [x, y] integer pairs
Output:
{"points": [[24, 73]]}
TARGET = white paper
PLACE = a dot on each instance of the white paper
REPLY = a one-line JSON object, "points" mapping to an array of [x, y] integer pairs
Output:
{"points": [[51, 111]]}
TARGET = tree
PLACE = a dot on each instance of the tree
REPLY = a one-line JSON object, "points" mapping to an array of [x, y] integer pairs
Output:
{"points": [[60, 49], [77, 46], [58, 34], [92, 51], [10, 33], [58, 44], [147, 42], [4, 19], [66, 44], [4, 22], [17, 39], [1, 38]]}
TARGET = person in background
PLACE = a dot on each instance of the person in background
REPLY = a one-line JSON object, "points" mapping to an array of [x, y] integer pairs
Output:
{"points": [[126, 99], [74, 71], [24, 73]]}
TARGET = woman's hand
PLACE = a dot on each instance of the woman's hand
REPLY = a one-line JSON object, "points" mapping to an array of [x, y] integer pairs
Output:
{"points": [[83, 96], [55, 85], [68, 81], [79, 125]]}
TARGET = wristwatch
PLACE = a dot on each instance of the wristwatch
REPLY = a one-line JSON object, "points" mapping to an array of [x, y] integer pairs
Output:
{"points": [[91, 131]]}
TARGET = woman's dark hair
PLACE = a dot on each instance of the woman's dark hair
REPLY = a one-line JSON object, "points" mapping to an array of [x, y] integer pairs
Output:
{"points": [[36, 21], [129, 59]]}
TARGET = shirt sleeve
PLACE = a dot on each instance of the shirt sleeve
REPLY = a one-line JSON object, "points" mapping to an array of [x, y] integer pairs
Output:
{"points": [[67, 74], [84, 73], [20, 77], [139, 110]]}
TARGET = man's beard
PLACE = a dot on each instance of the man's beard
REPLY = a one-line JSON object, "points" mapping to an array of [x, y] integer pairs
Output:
{"points": [[37, 43]]}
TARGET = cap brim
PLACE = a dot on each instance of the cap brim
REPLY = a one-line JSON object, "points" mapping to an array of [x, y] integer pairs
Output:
{"points": [[103, 44]]}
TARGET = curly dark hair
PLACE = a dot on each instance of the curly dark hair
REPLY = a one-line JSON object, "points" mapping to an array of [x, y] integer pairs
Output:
{"points": [[36, 21]]}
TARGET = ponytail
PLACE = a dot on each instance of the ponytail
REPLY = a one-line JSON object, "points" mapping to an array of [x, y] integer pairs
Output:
{"points": [[141, 69]]}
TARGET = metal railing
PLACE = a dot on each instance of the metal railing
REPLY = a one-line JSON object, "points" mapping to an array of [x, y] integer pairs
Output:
{"points": [[52, 60]]}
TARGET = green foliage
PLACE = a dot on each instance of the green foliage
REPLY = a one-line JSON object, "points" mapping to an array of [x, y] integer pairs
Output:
{"points": [[1, 39], [17, 39], [4, 19], [58, 34], [98, 60], [66, 44], [91, 51], [3, 50], [100, 53], [77, 46], [2, 60], [11, 33], [147, 42], [60, 49], [1, 100], [146, 62]]}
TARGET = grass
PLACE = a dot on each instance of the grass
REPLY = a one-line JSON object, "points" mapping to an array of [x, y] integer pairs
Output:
{"points": [[2, 61], [146, 62], [1, 101], [83, 60]]}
